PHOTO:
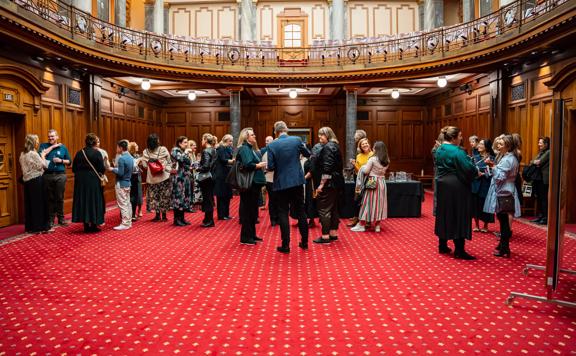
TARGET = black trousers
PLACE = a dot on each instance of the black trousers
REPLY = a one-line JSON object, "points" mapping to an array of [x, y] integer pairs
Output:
{"points": [[55, 185], [207, 188], [223, 207], [542, 198], [35, 208], [272, 204], [285, 199], [327, 204], [249, 212], [505, 232]]}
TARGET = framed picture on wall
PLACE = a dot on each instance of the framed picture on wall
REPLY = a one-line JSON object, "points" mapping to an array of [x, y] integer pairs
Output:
{"points": [[305, 133]]}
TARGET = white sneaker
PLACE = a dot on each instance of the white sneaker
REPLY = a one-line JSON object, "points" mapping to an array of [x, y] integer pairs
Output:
{"points": [[121, 227], [377, 228], [358, 228]]}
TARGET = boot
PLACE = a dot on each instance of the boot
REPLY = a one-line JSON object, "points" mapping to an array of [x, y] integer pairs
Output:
{"points": [[504, 250], [460, 253], [164, 217], [178, 218], [157, 217], [443, 246]]}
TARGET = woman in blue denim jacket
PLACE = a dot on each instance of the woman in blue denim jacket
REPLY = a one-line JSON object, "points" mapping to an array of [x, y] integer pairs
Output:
{"points": [[503, 178]]}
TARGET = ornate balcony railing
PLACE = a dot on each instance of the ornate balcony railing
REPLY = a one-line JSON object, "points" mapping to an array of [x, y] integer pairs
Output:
{"points": [[214, 54]]}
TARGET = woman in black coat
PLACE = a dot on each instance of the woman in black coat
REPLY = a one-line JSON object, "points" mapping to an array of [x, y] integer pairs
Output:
{"points": [[206, 179], [330, 186], [541, 185], [88, 203], [222, 190]]}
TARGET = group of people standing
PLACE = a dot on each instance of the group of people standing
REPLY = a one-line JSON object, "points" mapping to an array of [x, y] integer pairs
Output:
{"points": [[174, 177], [479, 186]]}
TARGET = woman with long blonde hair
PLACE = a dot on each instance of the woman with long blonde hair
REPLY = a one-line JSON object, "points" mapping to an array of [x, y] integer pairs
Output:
{"points": [[33, 166], [247, 148]]}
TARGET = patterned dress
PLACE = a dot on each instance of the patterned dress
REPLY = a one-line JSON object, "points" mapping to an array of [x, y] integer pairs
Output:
{"points": [[374, 207], [181, 188]]}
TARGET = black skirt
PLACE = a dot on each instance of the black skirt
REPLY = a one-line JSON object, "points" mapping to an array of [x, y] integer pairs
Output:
{"points": [[453, 209], [88, 205], [35, 208]]}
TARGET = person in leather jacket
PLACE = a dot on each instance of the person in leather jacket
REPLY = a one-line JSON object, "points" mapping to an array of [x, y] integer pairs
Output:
{"points": [[205, 179], [330, 164]]}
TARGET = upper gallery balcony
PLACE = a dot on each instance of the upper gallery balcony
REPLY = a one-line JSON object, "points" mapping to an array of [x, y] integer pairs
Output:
{"points": [[57, 27]]}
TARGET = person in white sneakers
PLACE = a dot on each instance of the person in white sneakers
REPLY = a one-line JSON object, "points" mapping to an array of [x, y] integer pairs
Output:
{"points": [[123, 171], [374, 206]]}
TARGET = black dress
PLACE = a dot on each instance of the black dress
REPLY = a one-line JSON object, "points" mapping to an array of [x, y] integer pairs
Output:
{"points": [[222, 190], [35, 207], [455, 171], [88, 204]]}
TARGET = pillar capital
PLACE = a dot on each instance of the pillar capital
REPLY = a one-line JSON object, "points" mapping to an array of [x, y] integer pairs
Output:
{"points": [[351, 88]]}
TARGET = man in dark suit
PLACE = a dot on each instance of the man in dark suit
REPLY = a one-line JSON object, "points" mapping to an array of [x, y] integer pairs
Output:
{"points": [[284, 159]]}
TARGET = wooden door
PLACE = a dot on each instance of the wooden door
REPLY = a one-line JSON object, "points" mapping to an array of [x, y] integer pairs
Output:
{"points": [[8, 206]]}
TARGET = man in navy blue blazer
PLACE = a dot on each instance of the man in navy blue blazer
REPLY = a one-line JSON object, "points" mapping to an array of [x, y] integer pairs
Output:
{"points": [[284, 159]]}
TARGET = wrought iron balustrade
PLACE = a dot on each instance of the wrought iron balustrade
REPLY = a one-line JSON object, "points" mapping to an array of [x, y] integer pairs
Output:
{"points": [[364, 52]]}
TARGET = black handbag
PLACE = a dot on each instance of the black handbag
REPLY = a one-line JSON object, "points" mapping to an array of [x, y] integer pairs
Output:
{"points": [[505, 204], [239, 178]]}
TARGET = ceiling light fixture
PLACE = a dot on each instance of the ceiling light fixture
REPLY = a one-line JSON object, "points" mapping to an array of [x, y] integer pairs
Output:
{"points": [[395, 94], [145, 85], [293, 92], [442, 82], [191, 95]]}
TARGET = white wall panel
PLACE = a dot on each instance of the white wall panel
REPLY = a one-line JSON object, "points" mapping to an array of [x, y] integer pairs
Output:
{"points": [[319, 22], [180, 22], [382, 21], [226, 24], [265, 24], [359, 20]]}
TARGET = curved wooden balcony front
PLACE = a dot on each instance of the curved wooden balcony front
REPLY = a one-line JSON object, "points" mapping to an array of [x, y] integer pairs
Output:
{"points": [[58, 28]]}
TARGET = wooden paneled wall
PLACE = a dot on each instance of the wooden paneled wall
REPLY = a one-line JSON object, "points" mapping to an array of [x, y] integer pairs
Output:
{"points": [[118, 116], [192, 120], [262, 113], [530, 115], [131, 116], [469, 110], [400, 125]]}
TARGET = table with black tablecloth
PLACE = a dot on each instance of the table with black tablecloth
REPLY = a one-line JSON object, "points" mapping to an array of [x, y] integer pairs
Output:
{"points": [[404, 199]]}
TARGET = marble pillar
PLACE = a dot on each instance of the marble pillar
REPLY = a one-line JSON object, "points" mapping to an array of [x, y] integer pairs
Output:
{"points": [[120, 13], [235, 113], [433, 14], [166, 18], [467, 10], [247, 20], [159, 16], [337, 20], [83, 5], [351, 113], [149, 16]]}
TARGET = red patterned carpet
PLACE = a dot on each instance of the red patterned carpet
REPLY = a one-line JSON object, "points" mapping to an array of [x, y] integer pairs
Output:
{"points": [[157, 288]]}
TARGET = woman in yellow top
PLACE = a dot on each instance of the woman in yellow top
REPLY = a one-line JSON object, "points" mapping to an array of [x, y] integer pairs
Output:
{"points": [[364, 153], [364, 150]]}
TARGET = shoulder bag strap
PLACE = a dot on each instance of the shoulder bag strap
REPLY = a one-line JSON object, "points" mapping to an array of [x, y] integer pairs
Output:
{"points": [[90, 163]]}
